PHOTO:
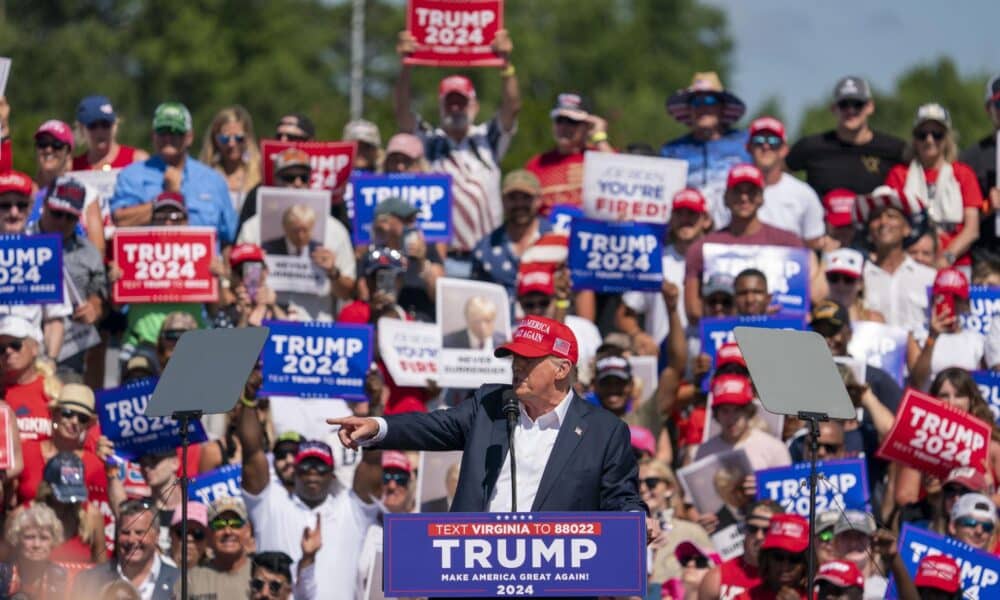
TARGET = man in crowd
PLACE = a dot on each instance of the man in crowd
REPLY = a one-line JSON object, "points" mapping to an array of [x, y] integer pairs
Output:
{"points": [[293, 170], [737, 576], [286, 447], [172, 170], [973, 519], [369, 155], [230, 537], [294, 127], [853, 537], [470, 153], [789, 204], [853, 155], [560, 170], [982, 157], [271, 576], [713, 146], [838, 205]]}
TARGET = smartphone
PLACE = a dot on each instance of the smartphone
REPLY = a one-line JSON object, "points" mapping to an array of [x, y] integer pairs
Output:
{"points": [[944, 305], [252, 272], [411, 236], [385, 282]]}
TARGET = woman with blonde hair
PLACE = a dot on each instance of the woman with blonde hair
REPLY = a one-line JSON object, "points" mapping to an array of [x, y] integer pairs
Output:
{"points": [[34, 531], [230, 147]]}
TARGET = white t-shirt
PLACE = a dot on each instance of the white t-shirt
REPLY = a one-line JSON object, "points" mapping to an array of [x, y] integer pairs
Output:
{"points": [[280, 517], [901, 296], [764, 450], [652, 304], [964, 349], [793, 206]]}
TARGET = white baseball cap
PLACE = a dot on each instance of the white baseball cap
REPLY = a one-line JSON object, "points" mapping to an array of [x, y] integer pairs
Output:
{"points": [[19, 327], [977, 506], [847, 261]]}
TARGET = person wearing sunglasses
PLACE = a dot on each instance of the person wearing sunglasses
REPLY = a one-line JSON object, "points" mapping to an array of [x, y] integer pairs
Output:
{"points": [[64, 490], [27, 379], [852, 155], [16, 191], [230, 147], [839, 580], [960, 481], [696, 560], [270, 576], [844, 270], [229, 535], [712, 146], [735, 577], [292, 169], [974, 521], [98, 126], [782, 559], [947, 186], [197, 531]]}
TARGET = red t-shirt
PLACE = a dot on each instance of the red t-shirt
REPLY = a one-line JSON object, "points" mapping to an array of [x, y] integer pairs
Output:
{"points": [[972, 197], [561, 176], [72, 550], [34, 468], [125, 157], [355, 312], [402, 399], [6, 156], [737, 578], [31, 406]]}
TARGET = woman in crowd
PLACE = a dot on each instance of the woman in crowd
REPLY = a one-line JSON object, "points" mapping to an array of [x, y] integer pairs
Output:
{"points": [[230, 147], [65, 492], [34, 531], [98, 126]]}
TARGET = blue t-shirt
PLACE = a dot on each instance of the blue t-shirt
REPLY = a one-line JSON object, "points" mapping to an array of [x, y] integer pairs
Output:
{"points": [[708, 166]]}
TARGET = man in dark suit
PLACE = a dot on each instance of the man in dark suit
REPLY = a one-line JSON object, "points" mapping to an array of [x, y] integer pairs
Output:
{"points": [[297, 222], [571, 456], [480, 332]]}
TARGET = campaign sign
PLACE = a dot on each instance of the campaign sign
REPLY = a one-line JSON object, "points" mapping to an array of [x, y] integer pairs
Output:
{"points": [[515, 554], [615, 257], [164, 264], [786, 269], [121, 411], [409, 350], [989, 387], [562, 215], [217, 483], [984, 307], [31, 269], [637, 189], [323, 360], [842, 485], [979, 571], [6, 441], [430, 194], [716, 331], [330, 161], [934, 438], [454, 33], [881, 346]]}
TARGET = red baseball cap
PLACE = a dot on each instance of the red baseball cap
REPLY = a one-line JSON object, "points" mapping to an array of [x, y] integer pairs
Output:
{"points": [[841, 573], [56, 129], [939, 572], [768, 124], [394, 459], [642, 439], [951, 281], [690, 199], [732, 389], [787, 532], [174, 200], [539, 336], [456, 84], [536, 278], [729, 354], [970, 478], [745, 173], [314, 449], [15, 181], [242, 253], [839, 206]]}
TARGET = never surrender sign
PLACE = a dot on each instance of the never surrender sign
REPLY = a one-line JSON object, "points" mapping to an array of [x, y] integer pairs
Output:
{"points": [[454, 33], [515, 554], [31, 269], [842, 485], [622, 187], [316, 360], [122, 414], [786, 269], [164, 264], [430, 194], [934, 438], [615, 257], [330, 161]]}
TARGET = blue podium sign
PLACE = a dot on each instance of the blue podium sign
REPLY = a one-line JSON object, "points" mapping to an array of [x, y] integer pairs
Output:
{"points": [[514, 554]]}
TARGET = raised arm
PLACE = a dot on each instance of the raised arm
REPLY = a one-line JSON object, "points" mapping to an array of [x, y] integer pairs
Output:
{"points": [[510, 93], [401, 95], [256, 475]]}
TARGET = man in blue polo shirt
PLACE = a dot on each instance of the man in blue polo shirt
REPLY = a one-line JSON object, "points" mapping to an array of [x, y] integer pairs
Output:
{"points": [[172, 170]]}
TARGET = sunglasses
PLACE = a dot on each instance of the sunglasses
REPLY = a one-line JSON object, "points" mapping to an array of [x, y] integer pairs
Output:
{"points": [[290, 137], [971, 523], [273, 586], [312, 465], [788, 557], [825, 536], [15, 345], [754, 529], [60, 215], [851, 104], [700, 562], [922, 134], [197, 535], [225, 139], [169, 131], [401, 479], [725, 301], [285, 453], [291, 178], [767, 140], [218, 523], [173, 334], [81, 418], [567, 121], [840, 278], [21, 206], [650, 482], [53, 144], [955, 490], [538, 305], [704, 100], [828, 448], [99, 125]]}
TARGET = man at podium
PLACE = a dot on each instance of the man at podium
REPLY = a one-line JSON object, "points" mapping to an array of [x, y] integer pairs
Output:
{"points": [[570, 455]]}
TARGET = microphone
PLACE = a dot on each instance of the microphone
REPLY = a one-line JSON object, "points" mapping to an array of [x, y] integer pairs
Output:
{"points": [[512, 412]]}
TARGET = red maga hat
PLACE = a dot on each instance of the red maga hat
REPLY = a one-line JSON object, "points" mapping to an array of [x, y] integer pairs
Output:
{"points": [[539, 336]]}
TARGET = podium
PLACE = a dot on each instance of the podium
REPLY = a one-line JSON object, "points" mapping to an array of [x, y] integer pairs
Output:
{"points": [[490, 555]]}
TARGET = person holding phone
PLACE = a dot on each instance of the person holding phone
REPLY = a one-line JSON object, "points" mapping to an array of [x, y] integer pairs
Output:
{"points": [[253, 300]]}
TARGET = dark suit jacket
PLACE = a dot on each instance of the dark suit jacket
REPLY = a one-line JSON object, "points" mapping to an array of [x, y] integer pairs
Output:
{"points": [[592, 466], [88, 584], [278, 247], [460, 339]]}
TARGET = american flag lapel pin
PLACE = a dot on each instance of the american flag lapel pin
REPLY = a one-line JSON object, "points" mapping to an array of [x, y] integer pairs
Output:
{"points": [[578, 431]]}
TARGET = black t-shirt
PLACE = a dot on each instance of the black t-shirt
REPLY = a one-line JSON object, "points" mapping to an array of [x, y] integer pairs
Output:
{"points": [[830, 163], [983, 159]]}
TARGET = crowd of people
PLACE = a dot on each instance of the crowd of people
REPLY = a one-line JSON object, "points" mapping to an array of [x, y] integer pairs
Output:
{"points": [[884, 221]]}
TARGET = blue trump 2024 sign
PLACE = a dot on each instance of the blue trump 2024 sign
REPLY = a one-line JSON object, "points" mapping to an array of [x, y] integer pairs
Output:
{"points": [[122, 414], [786, 269], [978, 570], [324, 360], [716, 331], [843, 485], [615, 257], [430, 194], [515, 554], [989, 387], [31, 269], [217, 483]]}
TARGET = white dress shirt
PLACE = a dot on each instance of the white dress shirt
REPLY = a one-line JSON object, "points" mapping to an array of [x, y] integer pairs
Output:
{"points": [[900, 296], [147, 588]]}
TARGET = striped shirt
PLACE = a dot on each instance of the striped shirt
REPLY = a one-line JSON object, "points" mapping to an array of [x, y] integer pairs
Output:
{"points": [[474, 166]]}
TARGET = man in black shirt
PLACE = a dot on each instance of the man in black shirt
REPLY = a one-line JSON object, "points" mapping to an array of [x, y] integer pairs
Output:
{"points": [[853, 155], [982, 157]]}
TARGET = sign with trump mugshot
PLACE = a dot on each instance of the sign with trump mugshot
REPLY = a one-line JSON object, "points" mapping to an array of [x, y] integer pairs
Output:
{"points": [[291, 225], [31, 269], [934, 438], [628, 188], [978, 572], [323, 360], [842, 485], [615, 257], [786, 270], [454, 33], [429, 194], [330, 161], [164, 264], [122, 415], [474, 319], [515, 554], [409, 350]]}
